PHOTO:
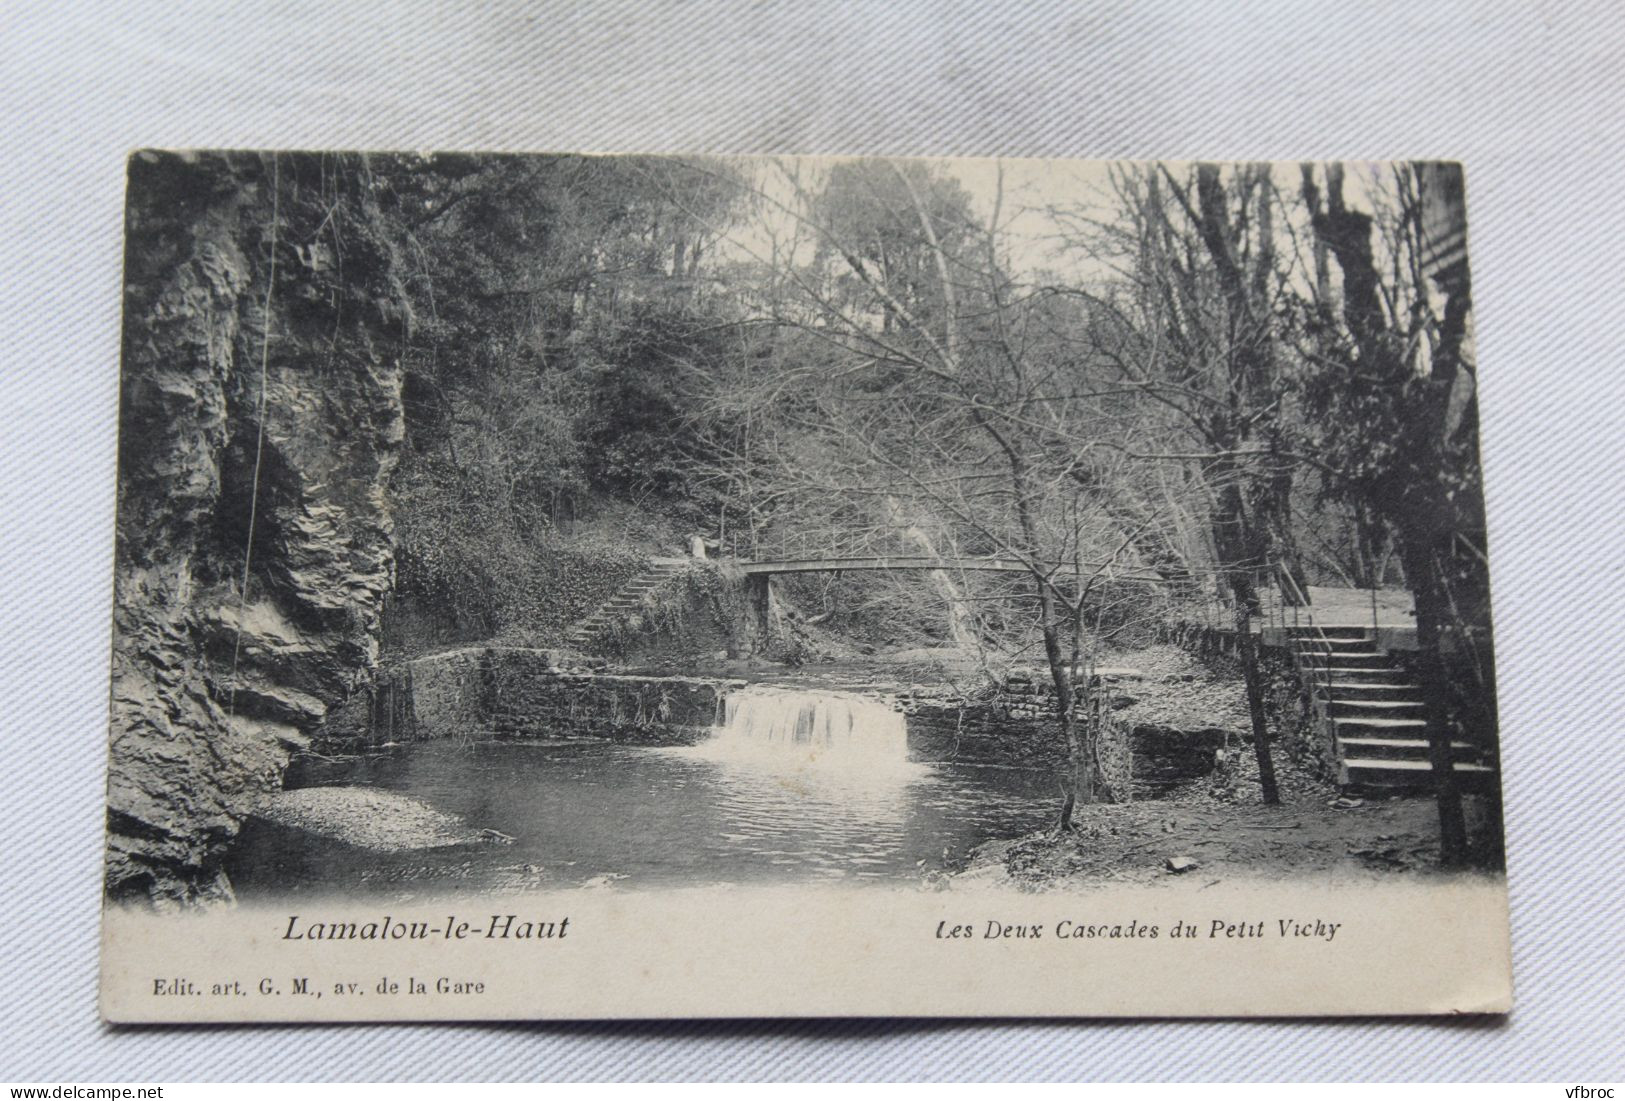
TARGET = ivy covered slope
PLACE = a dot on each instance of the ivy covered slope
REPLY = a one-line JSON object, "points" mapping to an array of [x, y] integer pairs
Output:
{"points": [[261, 417], [554, 433]]}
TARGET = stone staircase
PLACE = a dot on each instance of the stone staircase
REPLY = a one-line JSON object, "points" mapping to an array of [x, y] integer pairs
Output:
{"points": [[1375, 713], [586, 633]]}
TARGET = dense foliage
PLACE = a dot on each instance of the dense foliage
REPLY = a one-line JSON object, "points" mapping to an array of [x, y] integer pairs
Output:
{"points": [[609, 353], [554, 301]]}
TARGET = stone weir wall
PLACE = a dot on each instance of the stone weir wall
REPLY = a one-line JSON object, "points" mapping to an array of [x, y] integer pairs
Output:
{"points": [[516, 693], [523, 693]]}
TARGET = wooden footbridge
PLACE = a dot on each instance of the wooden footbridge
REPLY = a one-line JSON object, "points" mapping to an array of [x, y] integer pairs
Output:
{"points": [[954, 564], [838, 551], [883, 549], [889, 550]]}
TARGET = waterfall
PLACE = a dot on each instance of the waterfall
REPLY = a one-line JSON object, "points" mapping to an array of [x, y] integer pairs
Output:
{"points": [[799, 727]]}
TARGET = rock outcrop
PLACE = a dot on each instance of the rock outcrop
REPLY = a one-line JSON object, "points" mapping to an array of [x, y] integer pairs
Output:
{"points": [[259, 421]]}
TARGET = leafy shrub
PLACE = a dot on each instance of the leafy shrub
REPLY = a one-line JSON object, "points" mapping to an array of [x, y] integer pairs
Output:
{"points": [[462, 580], [707, 592]]}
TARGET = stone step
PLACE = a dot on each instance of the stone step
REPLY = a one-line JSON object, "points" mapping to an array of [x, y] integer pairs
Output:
{"points": [[1345, 662], [1361, 677], [1398, 748], [1375, 709], [591, 627], [1342, 645], [1323, 652], [1413, 766], [1336, 652], [1332, 633], [1385, 773], [1346, 728], [628, 598], [1375, 691]]}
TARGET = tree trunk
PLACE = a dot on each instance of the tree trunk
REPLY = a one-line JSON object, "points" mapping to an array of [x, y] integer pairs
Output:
{"points": [[1237, 560], [1422, 571], [1247, 650], [1272, 505], [1421, 505], [1081, 772], [1370, 546]]}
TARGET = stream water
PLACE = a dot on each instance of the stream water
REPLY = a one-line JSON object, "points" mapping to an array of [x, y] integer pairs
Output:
{"points": [[793, 787]]}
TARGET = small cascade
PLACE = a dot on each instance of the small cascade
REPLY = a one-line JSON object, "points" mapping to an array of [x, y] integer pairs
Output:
{"points": [[796, 726]]}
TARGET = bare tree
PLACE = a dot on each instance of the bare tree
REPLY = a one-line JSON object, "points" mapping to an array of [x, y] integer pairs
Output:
{"points": [[1193, 330], [931, 383]]}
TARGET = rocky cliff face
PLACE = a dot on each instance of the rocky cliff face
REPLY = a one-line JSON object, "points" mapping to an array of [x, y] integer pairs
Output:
{"points": [[260, 418]]}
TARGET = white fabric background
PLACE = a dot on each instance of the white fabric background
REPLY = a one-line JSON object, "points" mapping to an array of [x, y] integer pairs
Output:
{"points": [[1528, 94]]}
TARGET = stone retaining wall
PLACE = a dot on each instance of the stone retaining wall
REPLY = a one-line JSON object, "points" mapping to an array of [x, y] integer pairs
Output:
{"points": [[1294, 729], [1023, 728]]}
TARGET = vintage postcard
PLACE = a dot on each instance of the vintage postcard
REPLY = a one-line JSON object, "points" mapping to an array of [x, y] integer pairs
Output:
{"points": [[572, 586]]}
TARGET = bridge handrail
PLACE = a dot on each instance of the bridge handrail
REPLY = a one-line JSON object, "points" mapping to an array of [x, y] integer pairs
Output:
{"points": [[1303, 615], [864, 546]]}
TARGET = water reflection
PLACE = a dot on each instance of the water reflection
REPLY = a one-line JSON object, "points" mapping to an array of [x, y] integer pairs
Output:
{"points": [[799, 809], [587, 814]]}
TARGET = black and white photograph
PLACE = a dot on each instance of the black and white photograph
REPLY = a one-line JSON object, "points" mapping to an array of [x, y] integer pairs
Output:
{"points": [[495, 528], [864, 541]]}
